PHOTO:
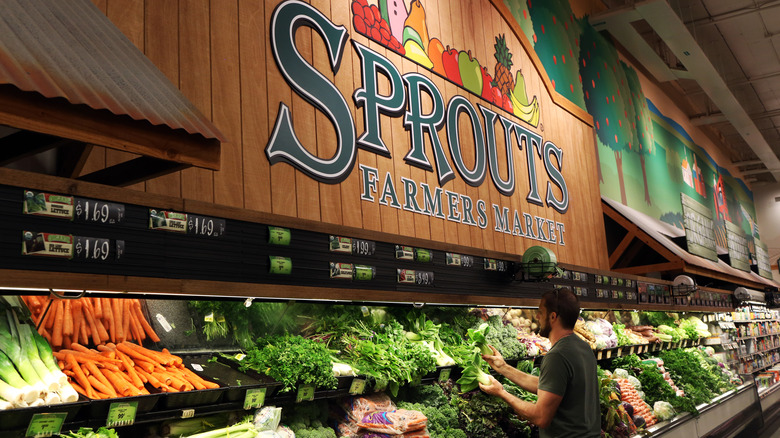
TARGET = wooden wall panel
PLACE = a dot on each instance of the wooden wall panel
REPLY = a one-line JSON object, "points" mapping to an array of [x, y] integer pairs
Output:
{"points": [[226, 92], [225, 66], [161, 46], [195, 83], [128, 15], [282, 175]]}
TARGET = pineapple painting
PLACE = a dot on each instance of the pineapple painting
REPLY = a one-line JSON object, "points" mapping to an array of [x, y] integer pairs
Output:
{"points": [[503, 71]]}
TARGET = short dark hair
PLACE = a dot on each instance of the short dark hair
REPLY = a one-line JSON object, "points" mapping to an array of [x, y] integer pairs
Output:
{"points": [[563, 302]]}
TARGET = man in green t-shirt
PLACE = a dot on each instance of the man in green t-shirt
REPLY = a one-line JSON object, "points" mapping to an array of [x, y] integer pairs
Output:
{"points": [[567, 387]]}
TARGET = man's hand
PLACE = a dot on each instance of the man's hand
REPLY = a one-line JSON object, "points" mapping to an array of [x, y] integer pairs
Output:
{"points": [[494, 388], [495, 360]]}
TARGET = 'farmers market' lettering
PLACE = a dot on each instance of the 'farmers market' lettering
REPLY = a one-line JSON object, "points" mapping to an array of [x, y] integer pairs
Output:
{"points": [[403, 98]]}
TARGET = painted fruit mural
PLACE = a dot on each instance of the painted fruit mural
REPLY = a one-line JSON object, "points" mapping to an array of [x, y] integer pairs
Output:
{"points": [[401, 26]]}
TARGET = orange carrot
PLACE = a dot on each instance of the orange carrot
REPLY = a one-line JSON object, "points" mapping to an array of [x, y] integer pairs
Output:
{"points": [[83, 336], [97, 304], [135, 355], [194, 377], [67, 319], [125, 306], [135, 325], [49, 322], [56, 335], [78, 317], [116, 322], [81, 379], [141, 374], [144, 323], [89, 316], [130, 369], [101, 386], [121, 385]]}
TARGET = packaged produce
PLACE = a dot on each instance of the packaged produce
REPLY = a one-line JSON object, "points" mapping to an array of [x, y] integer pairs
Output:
{"points": [[629, 394], [395, 422], [663, 410]]}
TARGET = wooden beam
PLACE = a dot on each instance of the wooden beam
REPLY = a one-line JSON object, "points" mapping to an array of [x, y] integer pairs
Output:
{"points": [[640, 233], [57, 117], [621, 249], [133, 171], [646, 269], [27, 143], [71, 159]]}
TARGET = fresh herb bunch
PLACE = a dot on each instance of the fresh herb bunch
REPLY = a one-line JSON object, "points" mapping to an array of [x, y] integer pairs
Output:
{"points": [[386, 356], [655, 387], [291, 360], [686, 371]]}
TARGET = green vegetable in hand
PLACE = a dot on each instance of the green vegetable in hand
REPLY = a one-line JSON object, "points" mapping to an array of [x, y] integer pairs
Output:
{"points": [[478, 338]]}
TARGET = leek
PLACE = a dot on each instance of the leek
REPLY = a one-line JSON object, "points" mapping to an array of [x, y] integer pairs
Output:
{"points": [[66, 392], [30, 351], [11, 394], [12, 377]]}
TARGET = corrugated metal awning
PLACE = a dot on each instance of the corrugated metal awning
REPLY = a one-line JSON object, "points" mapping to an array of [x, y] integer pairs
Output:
{"points": [[663, 234], [70, 50]]}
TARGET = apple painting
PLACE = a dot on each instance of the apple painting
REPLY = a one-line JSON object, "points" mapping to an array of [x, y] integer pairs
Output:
{"points": [[470, 72]]}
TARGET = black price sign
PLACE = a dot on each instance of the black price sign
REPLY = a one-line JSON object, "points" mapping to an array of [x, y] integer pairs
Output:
{"points": [[96, 249], [423, 278], [459, 260], [205, 226], [100, 212], [363, 247]]}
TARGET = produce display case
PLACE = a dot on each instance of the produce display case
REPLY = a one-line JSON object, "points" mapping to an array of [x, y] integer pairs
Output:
{"points": [[235, 384]]}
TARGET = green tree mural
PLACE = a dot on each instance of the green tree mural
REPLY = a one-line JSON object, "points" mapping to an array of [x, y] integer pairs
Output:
{"points": [[556, 38], [641, 128], [519, 10], [602, 77]]}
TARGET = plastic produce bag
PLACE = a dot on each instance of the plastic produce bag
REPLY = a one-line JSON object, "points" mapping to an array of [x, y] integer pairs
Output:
{"points": [[285, 432], [394, 422], [663, 410], [416, 434], [267, 434], [268, 418], [357, 408]]}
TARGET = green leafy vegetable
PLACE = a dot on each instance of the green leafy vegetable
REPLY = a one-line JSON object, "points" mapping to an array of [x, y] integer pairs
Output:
{"points": [[86, 432], [291, 360], [386, 355]]}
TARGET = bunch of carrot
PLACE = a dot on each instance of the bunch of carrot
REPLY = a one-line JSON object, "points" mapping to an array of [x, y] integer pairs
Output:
{"points": [[123, 369], [97, 319]]}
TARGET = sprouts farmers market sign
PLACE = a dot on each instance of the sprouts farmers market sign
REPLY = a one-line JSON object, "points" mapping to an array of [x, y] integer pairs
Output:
{"points": [[403, 99]]}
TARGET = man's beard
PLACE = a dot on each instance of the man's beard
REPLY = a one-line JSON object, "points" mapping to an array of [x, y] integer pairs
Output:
{"points": [[544, 329]]}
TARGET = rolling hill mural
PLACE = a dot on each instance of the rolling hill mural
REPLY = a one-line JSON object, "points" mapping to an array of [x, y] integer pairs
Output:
{"points": [[646, 159]]}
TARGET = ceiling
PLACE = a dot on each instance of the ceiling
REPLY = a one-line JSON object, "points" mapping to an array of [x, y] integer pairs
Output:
{"points": [[722, 58]]}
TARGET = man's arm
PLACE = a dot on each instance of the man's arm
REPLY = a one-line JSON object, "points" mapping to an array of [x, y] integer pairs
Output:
{"points": [[540, 413], [524, 380]]}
